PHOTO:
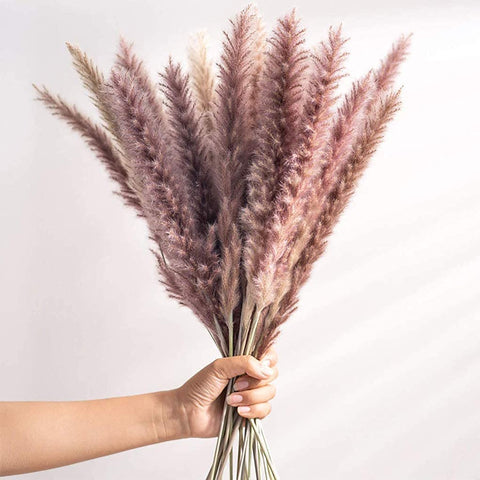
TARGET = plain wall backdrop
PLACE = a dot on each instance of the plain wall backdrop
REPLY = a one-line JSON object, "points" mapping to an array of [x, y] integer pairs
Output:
{"points": [[380, 365]]}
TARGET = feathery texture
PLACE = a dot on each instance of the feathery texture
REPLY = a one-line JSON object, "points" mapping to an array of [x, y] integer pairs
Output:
{"points": [[388, 70], [258, 63], [97, 139], [232, 139], [186, 136], [277, 133], [168, 208], [337, 146], [366, 144], [202, 78], [310, 244], [241, 174], [295, 190], [94, 81]]}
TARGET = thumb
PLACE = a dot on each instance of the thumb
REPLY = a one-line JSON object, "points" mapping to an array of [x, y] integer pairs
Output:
{"points": [[205, 387], [230, 367]]}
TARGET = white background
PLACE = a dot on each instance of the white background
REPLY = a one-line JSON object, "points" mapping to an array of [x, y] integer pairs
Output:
{"points": [[380, 366]]}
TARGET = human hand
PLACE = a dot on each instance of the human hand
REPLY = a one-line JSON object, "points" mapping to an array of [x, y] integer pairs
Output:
{"points": [[61, 433], [202, 397]]}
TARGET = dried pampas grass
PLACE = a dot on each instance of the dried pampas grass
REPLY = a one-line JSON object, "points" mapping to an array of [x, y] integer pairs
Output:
{"points": [[240, 174]]}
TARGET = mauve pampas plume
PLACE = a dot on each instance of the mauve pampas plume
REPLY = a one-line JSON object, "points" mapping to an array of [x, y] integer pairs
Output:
{"points": [[241, 171]]}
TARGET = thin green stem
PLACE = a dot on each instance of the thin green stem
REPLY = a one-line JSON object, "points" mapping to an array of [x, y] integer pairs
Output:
{"points": [[251, 439], [224, 349], [222, 433], [250, 448], [228, 447], [265, 450], [247, 347], [230, 334], [265, 467], [240, 467], [255, 460], [217, 343], [258, 424], [240, 444]]}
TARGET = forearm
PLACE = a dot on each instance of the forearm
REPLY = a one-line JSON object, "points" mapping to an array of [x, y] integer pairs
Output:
{"points": [[41, 435]]}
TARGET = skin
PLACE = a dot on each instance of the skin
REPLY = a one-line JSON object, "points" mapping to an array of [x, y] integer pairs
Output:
{"points": [[41, 435]]}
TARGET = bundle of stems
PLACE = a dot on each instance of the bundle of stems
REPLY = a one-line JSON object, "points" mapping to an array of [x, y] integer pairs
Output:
{"points": [[241, 173]]}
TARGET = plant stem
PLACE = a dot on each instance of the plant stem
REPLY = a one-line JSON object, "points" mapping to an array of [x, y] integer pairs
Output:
{"points": [[255, 460], [265, 450], [250, 448], [223, 346], [228, 447], [244, 450], [247, 348], [251, 440], [221, 435]]}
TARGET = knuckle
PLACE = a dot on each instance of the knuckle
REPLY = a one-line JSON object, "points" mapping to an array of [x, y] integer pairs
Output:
{"points": [[249, 362], [263, 410], [262, 394], [218, 365], [248, 397]]}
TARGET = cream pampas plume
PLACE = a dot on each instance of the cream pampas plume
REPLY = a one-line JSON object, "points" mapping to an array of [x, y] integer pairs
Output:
{"points": [[202, 77], [241, 173]]}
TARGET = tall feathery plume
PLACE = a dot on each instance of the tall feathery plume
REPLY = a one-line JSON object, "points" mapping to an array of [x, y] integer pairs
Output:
{"points": [[296, 183], [332, 155], [326, 61], [144, 129], [374, 128], [384, 108], [280, 99], [94, 81], [194, 159], [98, 141], [344, 129], [307, 250], [186, 133], [259, 48], [202, 77], [378, 81], [154, 141], [231, 139], [386, 73]]}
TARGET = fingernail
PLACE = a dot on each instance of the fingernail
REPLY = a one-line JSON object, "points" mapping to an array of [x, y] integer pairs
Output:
{"points": [[266, 361], [266, 371], [232, 399], [244, 409], [241, 385]]}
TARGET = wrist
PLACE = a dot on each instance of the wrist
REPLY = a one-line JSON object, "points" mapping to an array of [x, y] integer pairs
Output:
{"points": [[170, 419]]}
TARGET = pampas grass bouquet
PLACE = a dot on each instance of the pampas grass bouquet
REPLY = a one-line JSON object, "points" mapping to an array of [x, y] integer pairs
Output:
{"points": [[241, 168]]}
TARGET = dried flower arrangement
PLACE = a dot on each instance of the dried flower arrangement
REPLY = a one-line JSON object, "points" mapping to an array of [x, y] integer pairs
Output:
{"points": [[241, 176]]}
